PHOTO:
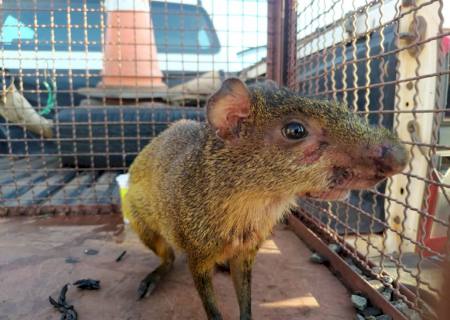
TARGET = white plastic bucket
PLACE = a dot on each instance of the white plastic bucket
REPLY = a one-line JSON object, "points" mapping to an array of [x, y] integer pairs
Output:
{"points": [[122, 181]]}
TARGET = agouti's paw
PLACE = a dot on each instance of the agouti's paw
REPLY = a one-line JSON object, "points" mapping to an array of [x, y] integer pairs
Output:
{"points": [[146, 287]]}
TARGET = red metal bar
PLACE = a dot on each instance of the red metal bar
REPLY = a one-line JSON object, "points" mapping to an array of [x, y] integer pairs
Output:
{"points": [[275, 26], [281, 41], [438, 243], [290, 58]]}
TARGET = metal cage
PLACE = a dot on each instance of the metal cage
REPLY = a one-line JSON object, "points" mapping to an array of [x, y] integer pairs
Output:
{"points": [[86, 84], [82, 93], [388, 61]]}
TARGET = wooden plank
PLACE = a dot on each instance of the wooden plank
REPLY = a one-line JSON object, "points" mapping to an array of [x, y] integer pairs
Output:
{"points": [[36, 185], [104, 188], [22, 162], [13, 184], [42, 190], [16, 188], [115, 195], [8, 175], [4, 162], [70, 192], [101, 190], [35, 162]]}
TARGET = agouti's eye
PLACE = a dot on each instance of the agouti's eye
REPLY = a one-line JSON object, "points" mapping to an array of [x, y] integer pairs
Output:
{"points": [[294, 131]]}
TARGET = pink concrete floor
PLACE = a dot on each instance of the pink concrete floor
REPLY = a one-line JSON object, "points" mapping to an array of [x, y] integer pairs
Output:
{"points": [[33, 265]]}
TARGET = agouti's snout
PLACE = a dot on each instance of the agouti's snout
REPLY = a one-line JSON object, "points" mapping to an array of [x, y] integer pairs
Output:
{"points": [[389, 158], [363, 165]]}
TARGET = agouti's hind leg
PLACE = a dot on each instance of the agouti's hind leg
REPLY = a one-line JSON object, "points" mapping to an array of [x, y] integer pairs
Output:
{"points": [[162, 249], [201, 273]]}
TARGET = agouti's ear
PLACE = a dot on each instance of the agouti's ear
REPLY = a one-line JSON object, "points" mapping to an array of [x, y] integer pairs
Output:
{"points": [[228, 107]]}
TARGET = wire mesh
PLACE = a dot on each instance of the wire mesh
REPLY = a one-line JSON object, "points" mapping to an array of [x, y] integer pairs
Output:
{"points": [[388, 61], [89, 113], [86, 84]]}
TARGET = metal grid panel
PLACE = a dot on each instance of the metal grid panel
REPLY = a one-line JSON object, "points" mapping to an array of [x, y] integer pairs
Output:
{"points": [[388, 60], [89, 110]]}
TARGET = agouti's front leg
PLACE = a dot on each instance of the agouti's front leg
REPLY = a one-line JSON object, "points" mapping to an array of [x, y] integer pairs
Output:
{"points": [[201, 274], [241, 273]]}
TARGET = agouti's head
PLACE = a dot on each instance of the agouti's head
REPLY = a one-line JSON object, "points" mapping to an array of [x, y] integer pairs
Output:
{"points": [[277, 141]]}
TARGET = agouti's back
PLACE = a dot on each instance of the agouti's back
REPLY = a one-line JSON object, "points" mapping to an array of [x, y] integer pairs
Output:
{"points": [[157, 176]]}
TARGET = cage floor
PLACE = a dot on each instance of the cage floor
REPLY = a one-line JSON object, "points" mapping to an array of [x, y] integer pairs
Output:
{"points": [[42, 181], [34, 265], [422, 275]]}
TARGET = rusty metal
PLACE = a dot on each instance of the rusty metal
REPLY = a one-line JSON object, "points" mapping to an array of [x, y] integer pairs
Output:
{"points": [[276, 45], [290, 43], [352, 280], [416, 33], [36, 210], [281, 33], [444, 306]]}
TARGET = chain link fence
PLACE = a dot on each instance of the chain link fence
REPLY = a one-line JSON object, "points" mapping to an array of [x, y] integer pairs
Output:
{"points": [[86, 84], [389, 62]]}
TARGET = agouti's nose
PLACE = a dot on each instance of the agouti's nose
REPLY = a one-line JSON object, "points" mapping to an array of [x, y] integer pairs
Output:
{"points": [[389, 158]]}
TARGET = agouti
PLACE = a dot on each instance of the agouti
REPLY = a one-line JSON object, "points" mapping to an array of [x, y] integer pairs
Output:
{"points": [[216, 189]]}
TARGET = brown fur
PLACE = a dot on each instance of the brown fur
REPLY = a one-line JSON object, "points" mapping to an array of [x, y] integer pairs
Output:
{"points": [[216, 191]]}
